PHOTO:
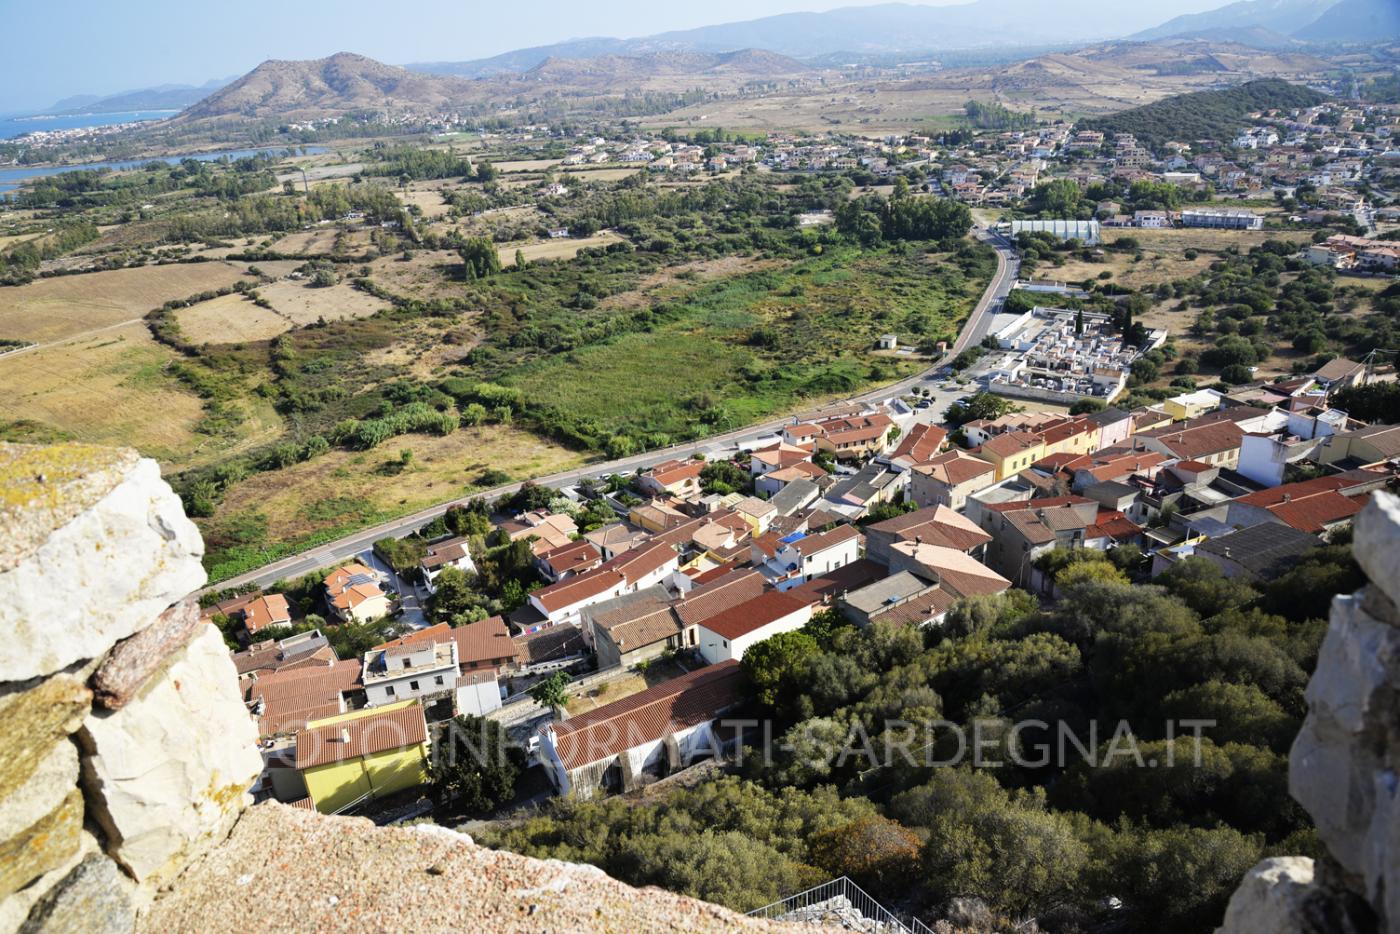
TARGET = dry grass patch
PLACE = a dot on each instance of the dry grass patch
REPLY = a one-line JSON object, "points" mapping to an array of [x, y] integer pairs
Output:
{"points": [[526, 165], [343, 487], [427, 274], [563, 248], [303, 304], [318, 240], [601, 175], [230, 319], [108, 389], [66, 306], [427, 197]]}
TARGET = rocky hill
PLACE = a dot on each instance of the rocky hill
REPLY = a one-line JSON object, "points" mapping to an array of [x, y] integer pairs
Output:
{"points": [[342, 83]]}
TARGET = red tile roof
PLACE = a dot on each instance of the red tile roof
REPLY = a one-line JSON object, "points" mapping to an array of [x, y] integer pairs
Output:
{"points": [[650, 715], [577, 589], [1009, 443], [363, 736], [921, 443], [753, 614], [955, 467], [270, 610], [486, 640], [719, 594]]}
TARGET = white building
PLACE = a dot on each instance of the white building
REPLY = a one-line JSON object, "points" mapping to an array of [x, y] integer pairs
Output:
{"points": [[453, 553], [729, 634], [798, 558], [420, 669]]}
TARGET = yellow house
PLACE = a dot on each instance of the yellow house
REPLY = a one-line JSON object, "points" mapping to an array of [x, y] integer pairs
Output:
{"points": [[1192, 404], [363, 754], [1011, 452], [1072, 436]]}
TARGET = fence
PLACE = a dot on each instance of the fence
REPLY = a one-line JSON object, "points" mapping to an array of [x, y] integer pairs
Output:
{"points": [[840, 903]]}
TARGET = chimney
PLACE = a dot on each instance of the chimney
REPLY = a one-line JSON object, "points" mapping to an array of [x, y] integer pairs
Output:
{"points": [[1288, 497]]}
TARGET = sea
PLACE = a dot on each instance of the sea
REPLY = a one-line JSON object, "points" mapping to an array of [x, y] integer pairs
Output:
{"points": [[12, 125], [11, 177]]}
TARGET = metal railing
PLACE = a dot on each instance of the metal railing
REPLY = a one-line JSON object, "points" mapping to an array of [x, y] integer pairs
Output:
{"points": [[840, 903]]}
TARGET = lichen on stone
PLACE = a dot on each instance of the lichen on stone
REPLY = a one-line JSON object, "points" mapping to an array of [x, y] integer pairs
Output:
{"points": [[43, 487]]}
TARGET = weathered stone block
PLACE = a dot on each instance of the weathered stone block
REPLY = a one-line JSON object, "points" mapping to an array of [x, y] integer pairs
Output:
{"points": [[15, 908], [42, 846], [96, 547], [135, 659], [34, 717], [1340, 767], [1376, 544], [95, 898], [1280, 896], [168, 773], [55, 776]]}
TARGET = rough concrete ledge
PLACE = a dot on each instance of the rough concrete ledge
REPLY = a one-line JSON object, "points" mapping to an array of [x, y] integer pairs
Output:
{"points": [[285, 869]]}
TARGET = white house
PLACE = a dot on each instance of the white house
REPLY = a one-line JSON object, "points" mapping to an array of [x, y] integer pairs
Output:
{"points": [[453, 553], [405, 671], [798, 558], [727, 635], [625, 744]]}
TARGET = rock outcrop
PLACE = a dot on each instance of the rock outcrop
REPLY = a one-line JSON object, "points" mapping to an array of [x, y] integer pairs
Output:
{"points": [[129, 753], [1345, 764]]}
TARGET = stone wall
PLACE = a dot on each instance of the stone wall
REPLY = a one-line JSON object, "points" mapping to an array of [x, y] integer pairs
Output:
{"points": [[1345, 764], [129, 752]]}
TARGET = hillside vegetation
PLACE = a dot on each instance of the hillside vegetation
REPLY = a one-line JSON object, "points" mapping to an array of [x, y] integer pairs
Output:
{"points": [[1204, 114]]}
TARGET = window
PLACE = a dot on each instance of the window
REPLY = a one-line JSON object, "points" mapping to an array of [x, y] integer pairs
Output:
{"points": [[413, 685], [438, 679], [389, 689], [726, 642], [408, 663]]}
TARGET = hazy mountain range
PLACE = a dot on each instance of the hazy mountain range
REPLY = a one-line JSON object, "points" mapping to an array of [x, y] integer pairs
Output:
{"points": [[767, 47]]}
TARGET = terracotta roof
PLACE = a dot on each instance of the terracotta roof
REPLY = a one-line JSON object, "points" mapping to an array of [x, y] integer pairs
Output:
{"points": [[955, 467], [363, 736], [853, 576], [821, 541], [642, 560], [340, 578], [718, 594], [577, 589], [452, 550], [1068, 429], [1338, 368], [436, 633], [1112, 524], [965, 575], [290, 698], [1199, 439], [1314, 504], [753, 614], [618, 533], [649, 715], [921, 443], [676, 471], [1009, 444], [266, 611], [485, 640], [572, 558], [549, 644]]}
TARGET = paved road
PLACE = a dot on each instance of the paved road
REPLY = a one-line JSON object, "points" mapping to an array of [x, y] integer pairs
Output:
{"points": [[325, 555]]}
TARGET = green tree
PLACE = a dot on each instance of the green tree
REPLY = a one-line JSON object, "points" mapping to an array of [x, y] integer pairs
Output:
{"points": [[772, 663], [552, 692], [479, 257], [474, 768]]}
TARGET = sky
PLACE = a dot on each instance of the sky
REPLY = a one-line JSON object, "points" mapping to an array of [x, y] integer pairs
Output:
{"points": [[59, 48]]}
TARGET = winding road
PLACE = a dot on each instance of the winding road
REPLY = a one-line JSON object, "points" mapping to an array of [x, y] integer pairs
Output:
{"points": [[325, 555]]}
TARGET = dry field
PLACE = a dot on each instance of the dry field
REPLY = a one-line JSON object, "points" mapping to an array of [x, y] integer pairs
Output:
{"points": [[427, 196], [66, 306], [332, 490], [658, 284], [600, 175], [427, 275], [316, 240], [1163, 254], [303, 304], [553, 249], [526, 165], [230, 319], [108, 389]]}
